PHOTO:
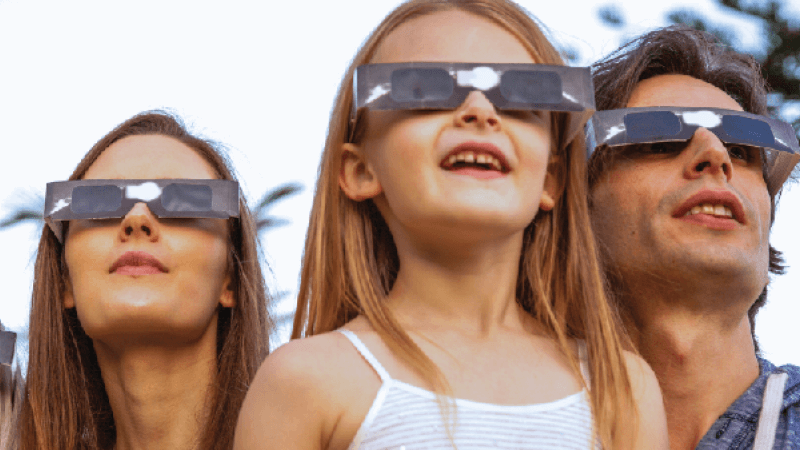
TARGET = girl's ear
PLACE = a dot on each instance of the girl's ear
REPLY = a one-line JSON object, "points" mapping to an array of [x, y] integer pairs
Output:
{"points": [[357, 179], [552, 186]]}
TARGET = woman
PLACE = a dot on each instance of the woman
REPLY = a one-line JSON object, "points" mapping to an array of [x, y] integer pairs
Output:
{"points": [[145, 331], [11, 388], [450, 289]]}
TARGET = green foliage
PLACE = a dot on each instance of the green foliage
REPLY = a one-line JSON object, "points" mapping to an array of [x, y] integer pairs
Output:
{"points": [[29, 209], [264, 221], [779, 58]]}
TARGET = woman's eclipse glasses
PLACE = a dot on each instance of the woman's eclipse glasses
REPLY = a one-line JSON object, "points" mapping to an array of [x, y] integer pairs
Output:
{"points": [[166, 198]]}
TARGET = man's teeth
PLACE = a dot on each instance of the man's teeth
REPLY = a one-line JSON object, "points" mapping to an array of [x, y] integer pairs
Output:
{"points": [[471, 158], [713, 210]]}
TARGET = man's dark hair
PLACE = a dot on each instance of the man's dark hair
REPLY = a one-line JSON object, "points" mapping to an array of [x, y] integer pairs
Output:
{"points": [[682, 50]]}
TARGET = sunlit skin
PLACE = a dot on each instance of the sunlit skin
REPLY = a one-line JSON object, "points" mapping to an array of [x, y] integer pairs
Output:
{"points": [[687, 281], [154, 330], [459, 240]]}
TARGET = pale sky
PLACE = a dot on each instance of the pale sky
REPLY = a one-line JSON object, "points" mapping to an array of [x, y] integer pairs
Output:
{"points": [[259, 77]]}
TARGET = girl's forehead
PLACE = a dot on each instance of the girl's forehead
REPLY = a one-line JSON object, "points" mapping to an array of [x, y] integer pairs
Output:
{"points": [[451, 36]]}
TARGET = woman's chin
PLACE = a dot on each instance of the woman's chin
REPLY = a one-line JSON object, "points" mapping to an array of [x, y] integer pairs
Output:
{"points": [[147, 322]]}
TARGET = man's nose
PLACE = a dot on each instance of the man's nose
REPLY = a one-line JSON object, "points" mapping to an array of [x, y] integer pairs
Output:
{"points": [[709, 156]]}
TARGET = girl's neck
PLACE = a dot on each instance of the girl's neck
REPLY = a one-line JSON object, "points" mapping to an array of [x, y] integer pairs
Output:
{"points": [[159, 394], [472, 287]]}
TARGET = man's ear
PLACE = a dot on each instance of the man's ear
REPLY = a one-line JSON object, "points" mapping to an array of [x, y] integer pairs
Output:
{"points": [[357, 179], [226, 298]]}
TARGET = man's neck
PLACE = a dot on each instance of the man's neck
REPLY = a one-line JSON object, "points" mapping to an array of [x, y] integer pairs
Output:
{"points": [[704, 359]]}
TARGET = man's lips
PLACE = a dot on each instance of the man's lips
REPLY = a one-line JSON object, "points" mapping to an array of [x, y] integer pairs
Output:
{"points": [[712, 207], [137, 263]]}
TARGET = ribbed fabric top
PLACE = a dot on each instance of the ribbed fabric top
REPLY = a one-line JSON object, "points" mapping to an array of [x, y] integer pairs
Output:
{"points": [[406, 417]]}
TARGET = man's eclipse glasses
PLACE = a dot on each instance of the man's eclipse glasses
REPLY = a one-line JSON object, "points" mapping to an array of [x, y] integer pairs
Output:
{"points": [[113, 199], [621, 127], [445, 86]]}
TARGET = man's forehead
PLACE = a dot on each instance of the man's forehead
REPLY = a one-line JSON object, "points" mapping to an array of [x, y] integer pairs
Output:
{"points": [[680, 90]]}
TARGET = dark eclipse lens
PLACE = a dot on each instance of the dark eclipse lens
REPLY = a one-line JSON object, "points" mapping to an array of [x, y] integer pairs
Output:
{"points": [[186, 197], [522, 86], [412, 85], [96, 199], [748, 130], [651, 125]]}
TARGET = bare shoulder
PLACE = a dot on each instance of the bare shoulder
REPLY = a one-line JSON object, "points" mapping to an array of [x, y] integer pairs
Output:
{"points": [[300, 393], [639, 371], [652, 430]]}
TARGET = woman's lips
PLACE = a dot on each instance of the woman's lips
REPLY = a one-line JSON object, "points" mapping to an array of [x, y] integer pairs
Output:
{"points": [[137, 263]]}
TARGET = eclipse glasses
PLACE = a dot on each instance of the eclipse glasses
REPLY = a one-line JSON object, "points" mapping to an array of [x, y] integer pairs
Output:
{"points": [[620, 127], [113, 199], [8, 339], [445, 86]]}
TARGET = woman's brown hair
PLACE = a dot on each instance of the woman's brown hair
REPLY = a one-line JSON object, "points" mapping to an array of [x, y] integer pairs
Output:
{"points": [[11, 389], [66, 404], [350, 261], [681, 50]]}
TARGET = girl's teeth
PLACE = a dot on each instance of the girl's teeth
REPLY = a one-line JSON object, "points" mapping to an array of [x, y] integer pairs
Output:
{"points": [[708, 209], [719, 210], [696, 210], [728, 212], [472, 158]]}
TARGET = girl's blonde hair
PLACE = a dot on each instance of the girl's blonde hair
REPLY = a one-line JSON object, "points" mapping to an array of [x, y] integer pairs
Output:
{"points": [[351, 262], [66, 405]]}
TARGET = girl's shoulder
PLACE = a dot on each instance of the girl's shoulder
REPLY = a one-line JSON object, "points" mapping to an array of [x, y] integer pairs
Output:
{"points": [[320, 382], [313, 365], [649, 402]]}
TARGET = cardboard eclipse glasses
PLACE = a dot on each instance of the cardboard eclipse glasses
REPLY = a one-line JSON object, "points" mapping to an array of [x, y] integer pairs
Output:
{"points": [[620, 127], [445, 86], [7, 341], [166, 198]]}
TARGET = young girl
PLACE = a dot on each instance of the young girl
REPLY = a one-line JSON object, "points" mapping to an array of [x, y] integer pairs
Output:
{"points": [[450, 285], [145, 329]]}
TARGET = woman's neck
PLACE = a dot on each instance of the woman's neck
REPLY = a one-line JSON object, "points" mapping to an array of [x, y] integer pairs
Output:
{"points": [[472, 287], [159, 394]]}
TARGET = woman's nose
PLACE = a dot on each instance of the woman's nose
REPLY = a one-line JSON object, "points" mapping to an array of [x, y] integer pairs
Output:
{"points": [[139, 223]]}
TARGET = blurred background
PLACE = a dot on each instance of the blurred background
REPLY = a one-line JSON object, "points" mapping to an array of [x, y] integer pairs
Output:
{"points": [[260, 77]]}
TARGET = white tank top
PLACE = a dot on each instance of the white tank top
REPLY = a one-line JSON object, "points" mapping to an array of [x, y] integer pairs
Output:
{"points": [[406, 417]]}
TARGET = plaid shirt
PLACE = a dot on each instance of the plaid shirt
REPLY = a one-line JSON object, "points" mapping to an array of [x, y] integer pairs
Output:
{"points": [[736, 428]]}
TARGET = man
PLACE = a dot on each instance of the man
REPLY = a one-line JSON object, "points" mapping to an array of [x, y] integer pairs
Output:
{"points": [[682, 199]]}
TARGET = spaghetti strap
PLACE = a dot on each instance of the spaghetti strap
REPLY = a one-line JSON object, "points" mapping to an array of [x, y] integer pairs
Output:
{"points": [[770, 411], [365, 353], [583, 359]]}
